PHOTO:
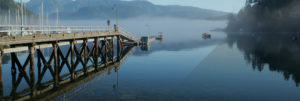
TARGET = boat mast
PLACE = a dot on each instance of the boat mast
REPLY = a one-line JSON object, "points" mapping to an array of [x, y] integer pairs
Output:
{"points": [[22, 17], [57, 16], [9, 16], [42, 15]]}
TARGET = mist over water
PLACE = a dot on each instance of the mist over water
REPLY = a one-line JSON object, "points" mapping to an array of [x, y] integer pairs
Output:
{"points": [[174, 29]]}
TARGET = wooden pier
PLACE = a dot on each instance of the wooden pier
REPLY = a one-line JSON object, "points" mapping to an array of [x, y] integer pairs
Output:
{"points": [[91, 47], [59, 34]]}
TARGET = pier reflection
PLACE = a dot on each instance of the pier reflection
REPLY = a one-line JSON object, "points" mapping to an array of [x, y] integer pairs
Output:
{"points": [[145, 47], [277, 52], [67, 68]]}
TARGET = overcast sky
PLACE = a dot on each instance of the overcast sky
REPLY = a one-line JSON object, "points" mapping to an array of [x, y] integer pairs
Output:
{"points": [[221, 5]]}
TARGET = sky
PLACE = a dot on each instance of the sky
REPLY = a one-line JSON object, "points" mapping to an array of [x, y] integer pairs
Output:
{"points": [[220, 5]]}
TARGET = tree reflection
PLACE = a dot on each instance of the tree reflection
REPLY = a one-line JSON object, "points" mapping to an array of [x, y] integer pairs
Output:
{"points": [[279, 52]]}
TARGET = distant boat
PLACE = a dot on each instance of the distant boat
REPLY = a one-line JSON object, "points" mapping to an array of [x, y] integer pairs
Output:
{"points": [[206, 36], [4, 31]]}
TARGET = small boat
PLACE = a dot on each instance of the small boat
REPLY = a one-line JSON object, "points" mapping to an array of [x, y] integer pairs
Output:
{"points": [[206, 36]]}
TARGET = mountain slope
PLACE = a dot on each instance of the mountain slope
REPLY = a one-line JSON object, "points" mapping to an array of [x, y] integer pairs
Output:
{"points": [[103, 9]]}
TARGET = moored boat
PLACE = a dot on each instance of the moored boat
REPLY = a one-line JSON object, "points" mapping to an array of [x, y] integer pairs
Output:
{"points": [[206, 35]]}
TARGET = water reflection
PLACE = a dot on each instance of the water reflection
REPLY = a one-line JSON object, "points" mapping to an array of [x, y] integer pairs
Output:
{"points": [[278, 52], [178, 46], [37, 85], [145, 47]]}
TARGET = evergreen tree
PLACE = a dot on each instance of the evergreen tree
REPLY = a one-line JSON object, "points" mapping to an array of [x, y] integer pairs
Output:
{"points": [[267, 16]]}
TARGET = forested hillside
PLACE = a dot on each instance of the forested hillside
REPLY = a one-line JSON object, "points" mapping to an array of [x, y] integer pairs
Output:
{"points": [[104, 9], [5, 5], [14, 8], [267, 16]]}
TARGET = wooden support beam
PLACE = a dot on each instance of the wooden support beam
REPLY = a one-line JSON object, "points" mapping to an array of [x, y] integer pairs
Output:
{"points": [[14, 74], [57, 61], [73, 67], [13, 65], [56, 64], [31, 71], [85, 52], [31, 53], [96, 53], [45, 89], [119, 47], [1, 81], [65, 61], [102, 51], [39, 63], [78, 56], [46, 65], [106, 50], [112, 48]]}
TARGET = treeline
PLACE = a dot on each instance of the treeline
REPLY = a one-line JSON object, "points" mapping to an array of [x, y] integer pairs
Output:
{"points": [[10, 7], [272, 4], [266, 16], [5, 5]]}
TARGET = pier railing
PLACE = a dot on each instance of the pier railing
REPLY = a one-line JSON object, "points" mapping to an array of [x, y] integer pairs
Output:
{"points": [[17, 30], [128, 35], [27, 30]]}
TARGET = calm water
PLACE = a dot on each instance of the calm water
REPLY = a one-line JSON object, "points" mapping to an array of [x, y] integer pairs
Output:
{"points": [[242, 67]]}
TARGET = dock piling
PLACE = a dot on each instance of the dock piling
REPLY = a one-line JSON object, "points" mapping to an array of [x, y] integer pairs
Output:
{"points": [[1, 82], [56, 64]]}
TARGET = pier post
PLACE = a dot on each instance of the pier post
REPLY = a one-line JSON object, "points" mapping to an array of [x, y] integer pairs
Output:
{"points": [[112, 49], [13, 74], [1, 53], [118, 47], [31, 71], [56, 64], [96, 53], [105, 51], [72, 60], [1, 81], [85, 53]]}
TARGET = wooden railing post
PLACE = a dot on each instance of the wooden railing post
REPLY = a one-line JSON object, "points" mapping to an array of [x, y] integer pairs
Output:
{"points": [[32, 28], [49, 32], [90, 28], [82, 29]]}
